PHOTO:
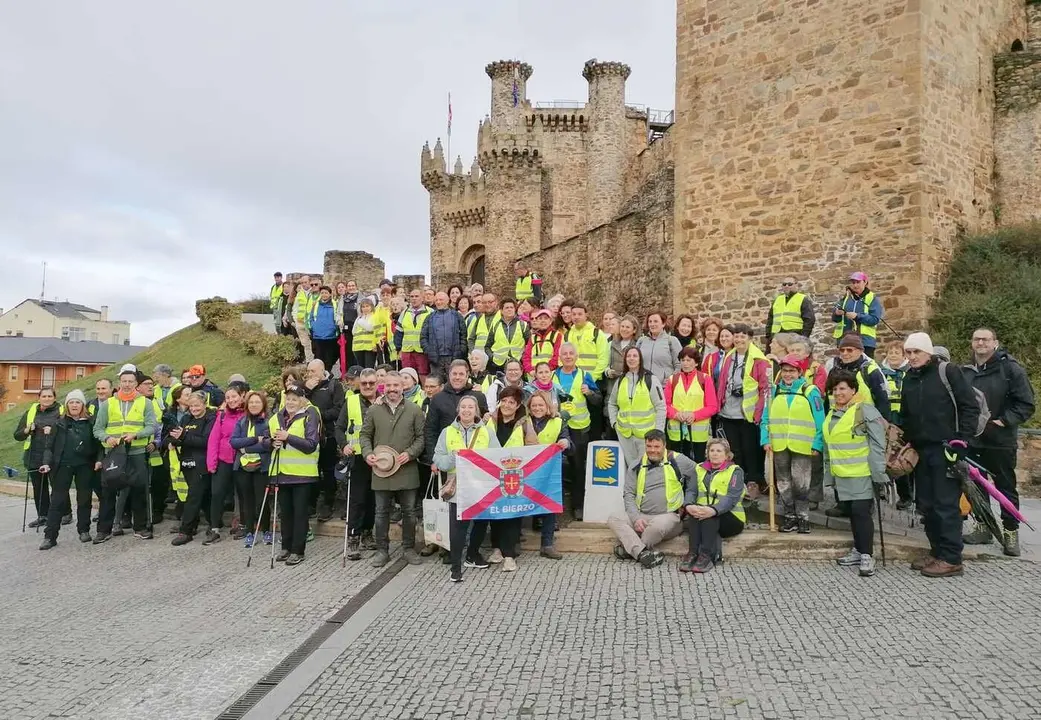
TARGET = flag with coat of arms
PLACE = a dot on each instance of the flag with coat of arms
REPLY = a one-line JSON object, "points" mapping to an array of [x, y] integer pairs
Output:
{"points": [[504, 483]]}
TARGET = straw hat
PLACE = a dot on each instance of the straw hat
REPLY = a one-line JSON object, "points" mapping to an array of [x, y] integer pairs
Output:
{"points": [[386, 461]]}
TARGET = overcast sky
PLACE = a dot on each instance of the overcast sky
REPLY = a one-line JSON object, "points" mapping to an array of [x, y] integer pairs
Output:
{"points": [[154, 153]]}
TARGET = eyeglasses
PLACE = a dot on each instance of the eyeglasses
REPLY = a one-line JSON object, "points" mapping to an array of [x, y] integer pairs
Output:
{"points": [[846, 351], [787, 284], [367, 384], [314, 284]]}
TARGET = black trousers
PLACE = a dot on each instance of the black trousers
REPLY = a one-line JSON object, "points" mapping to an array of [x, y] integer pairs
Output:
{"points": [[863, 525], [509, 535], [694, 450], [325, 488], [294, 505], [365, 358], [457, 532], [1001, 462], [65, 477], [361, 505], [705, 537], [221, 485], [41, 492], [577, 463], [246, 491], [198, 492], [136, 475], [328, 351], [905, 486], [160, 486], [743, 437], [260, 486], [938, 499]]}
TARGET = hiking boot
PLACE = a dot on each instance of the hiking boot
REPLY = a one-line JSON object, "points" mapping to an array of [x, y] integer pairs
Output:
{"points": [[66, 519], [85, 537], [496, 557], [411, 557], [979, 535], [621, 553], [790, 524], [143, 534], [294, 559], [1011, 543], [551, 552], [428, 550], [117, 531], [804, 526], [867, 566], [457, 574], [476, 561], [367, 541], [687, 563], [849, 559], [353, 549], [48, 543], [703, 564], [212, 536], [181, 539], [509, 564], [325, 513], [238, 533], [267, 537], [651, 558], [942, 569], [380, 559], [923, 562], [249, 540], [905, 504], [283, 556], [102, 537], [836, 512]]}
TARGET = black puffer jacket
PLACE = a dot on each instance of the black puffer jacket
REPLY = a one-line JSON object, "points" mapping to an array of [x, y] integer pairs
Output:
{"points": [[442, 412], [75, 444], [328, 397], [1010, 398], [194, 441], [41, 445], [927, 413]]}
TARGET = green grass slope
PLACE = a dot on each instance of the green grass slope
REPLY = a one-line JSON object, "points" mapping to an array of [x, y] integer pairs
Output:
{"points": [[221, 356]]}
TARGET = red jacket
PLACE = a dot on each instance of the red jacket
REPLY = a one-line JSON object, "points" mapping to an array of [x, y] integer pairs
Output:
{"points": [[761, 372], [711, 406], [555, 337]]}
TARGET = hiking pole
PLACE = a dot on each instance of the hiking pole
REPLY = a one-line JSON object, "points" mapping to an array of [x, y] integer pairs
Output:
{"points": [[899, 335], [881, 532], [770, 482], [25, 507], [260, 518], [347, 521], [274, 527]]}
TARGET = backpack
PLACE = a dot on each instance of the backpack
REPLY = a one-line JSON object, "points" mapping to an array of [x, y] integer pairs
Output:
{"points": [[981, 401]]}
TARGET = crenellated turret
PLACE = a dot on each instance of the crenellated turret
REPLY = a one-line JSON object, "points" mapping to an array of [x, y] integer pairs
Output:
{"points": [[432, 166], [606, 138], [509, 92]]}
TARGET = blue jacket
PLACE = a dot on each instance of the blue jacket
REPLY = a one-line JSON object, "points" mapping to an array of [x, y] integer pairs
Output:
{"points": [[323, 322], [260, 444], [790, 391], [870, 315], [443, 335]]}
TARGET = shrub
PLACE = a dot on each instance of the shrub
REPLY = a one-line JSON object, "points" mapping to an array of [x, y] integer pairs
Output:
{"points": [[213, 311], [994, 281], [255, 304]]}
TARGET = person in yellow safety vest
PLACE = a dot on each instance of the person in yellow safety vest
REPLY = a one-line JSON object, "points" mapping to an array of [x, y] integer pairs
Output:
{"points": [[251, 442], [791, 429], [188, 442], [528, 285], [365, 337], [712, 507], [594, 347], [487, 315], [361, 503], [791, 311], [383, 324], [652, 497], [859, 312], [409, 334], [480, 378], [508, 337], [874, 390], [855, 463], [466, 432], [306, 297], [411, 390], [543, 343], [690, 404], [37, 431], [275, 297], [636, 406], [296, 434], [578, 392], [550, 429], [102, 392]]}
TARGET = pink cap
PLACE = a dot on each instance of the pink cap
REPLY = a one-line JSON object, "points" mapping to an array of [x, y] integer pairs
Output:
{"points": [[858, 277]]}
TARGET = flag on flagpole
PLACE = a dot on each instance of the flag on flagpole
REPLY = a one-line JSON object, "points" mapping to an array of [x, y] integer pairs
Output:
{"points": [[449, 114], [497, 484]]}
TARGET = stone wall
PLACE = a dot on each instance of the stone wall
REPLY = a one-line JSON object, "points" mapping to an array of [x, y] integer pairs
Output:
{"points": [[361, 267], [649, 162], [1017, 129], [408, 283], [1028, 469]]}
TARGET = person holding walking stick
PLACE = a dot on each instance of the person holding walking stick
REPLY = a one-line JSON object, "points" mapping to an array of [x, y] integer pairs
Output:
{"points": [[855, 463], [36, 433], [296, 433], [251, 440]]}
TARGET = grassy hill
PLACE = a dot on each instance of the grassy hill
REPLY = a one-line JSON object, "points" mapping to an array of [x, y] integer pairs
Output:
{"points": [[184, 348]]}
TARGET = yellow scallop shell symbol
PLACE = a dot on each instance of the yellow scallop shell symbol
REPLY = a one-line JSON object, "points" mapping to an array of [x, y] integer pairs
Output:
{"points": [[604, 459]]}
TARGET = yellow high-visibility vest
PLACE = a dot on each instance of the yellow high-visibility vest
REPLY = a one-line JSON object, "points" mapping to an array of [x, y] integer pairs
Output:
{"points": [[516, 438], [635, 416], [291, 461], [689, 399], [673, 485], [718, 488], [791, 426], [847, 452], [551, 433], [133, 422], [786, 313], [30, 418], [849, 304], [508, 347], [412, 328], [454, 439], [577, 408]]}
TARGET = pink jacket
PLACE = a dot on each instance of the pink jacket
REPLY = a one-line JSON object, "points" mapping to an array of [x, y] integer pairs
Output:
{"points": [[760, 373], [219, 447]]}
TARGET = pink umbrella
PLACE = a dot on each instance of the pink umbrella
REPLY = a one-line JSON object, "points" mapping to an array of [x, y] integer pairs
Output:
{"points": [[978, 473]]}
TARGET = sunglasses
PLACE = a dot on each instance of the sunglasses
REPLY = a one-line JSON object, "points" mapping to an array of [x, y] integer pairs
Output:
{"points": [[787, 284], [847, 350], [367, 384]]}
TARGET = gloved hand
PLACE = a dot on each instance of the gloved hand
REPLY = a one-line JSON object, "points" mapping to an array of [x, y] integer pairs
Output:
{"points": [[955, 450]]}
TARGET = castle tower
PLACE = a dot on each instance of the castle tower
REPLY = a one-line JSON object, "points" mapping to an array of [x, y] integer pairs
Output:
{"points": [[606, 138], [509, 93]]}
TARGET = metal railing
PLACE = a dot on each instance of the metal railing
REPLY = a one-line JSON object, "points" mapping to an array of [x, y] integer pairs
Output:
{"points": [[559, 104]]}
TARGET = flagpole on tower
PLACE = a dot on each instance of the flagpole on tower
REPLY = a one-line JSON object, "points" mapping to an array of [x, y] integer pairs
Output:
{"points": [[449, 144]]}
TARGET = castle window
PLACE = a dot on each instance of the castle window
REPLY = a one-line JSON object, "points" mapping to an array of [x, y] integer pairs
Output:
{"points": [[1017, 45]]}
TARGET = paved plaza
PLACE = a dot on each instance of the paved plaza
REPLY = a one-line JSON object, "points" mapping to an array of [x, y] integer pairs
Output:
{"points": [[137, 629]]}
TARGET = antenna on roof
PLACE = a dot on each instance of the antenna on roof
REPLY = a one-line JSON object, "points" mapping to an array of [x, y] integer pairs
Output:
{"points": [[43, 286]]}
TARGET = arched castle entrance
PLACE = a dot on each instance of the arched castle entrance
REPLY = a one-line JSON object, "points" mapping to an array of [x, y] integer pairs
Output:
{"points": [[472, 263]]}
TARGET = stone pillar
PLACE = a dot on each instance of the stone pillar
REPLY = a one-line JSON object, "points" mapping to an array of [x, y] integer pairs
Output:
{"points": [[606, 139]]}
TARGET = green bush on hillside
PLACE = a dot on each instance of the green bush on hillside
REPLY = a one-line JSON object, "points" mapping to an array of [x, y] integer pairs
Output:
{"points": [[994, 281], [255, 304], [212, 311]]}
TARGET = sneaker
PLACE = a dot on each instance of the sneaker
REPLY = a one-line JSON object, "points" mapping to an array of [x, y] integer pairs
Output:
{"points": [[181, 539], [239, 534], [48, 543], [980, 535], [1011, 543], [904, 504], [867, 566], [687, 563], [212, 536], [367, 541], [310, 534], [102, 537], [428, 550], [85, 537], [249, 540], [651, 558], [496, 557], [621, 553], [117, 531], [267, 538], [942, 569], [923, 562], [791, 524], [476, 561], [551, 552], [849, 559], [380, 559], [703, 564], [294, 559], [94, 518], [804, 526], [457, 574], [353, 549], [66, 519], [283, 556], [509, 564], [412, 558], [143, 534], [836, 512]]}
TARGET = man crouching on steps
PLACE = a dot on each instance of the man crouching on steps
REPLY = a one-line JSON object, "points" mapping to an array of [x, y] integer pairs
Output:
{"points": [[653, 496]]}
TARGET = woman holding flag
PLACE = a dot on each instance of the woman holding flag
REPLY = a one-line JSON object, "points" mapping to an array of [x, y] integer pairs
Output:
{"points": [[511, 428], [550, 428], [467, 432]]}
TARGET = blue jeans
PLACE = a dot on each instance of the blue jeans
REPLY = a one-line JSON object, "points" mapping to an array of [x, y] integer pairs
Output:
{"points": [[549, 526], [381, 528]]}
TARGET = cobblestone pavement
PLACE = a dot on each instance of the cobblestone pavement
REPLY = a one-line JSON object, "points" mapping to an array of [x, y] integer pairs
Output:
{"points": [[141, 629], [593, 637]]}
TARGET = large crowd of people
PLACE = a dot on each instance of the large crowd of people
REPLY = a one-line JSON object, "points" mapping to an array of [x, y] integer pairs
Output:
{"points": [[390, 386]]}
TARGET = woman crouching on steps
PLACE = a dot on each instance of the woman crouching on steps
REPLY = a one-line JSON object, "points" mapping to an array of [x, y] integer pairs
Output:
{"points": [[296, 433], [712, 507]]}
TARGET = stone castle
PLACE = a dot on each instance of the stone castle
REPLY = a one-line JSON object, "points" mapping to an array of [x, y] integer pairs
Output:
{"points": [[811, 138]]}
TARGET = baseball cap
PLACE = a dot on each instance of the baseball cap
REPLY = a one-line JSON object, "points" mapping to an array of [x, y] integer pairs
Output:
{"points": [[129, 367], [542, 311], [858, 276], [197, 370]]}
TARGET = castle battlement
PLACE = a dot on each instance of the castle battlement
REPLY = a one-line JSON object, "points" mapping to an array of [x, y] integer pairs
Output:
{"points": [[594, 69]]}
